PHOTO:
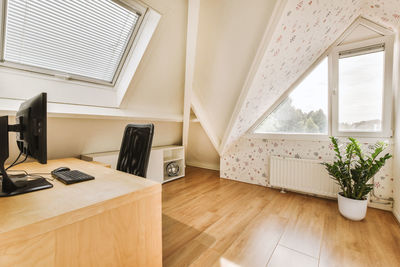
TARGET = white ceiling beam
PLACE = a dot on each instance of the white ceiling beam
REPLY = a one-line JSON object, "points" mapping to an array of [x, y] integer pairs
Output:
{"points": [[191, 41], [204, 122]]}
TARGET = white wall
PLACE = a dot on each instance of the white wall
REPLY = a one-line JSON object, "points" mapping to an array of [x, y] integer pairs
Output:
{"points": [[396, 152], [200, 151], [68, 137], [230, 32], [248, 159]]}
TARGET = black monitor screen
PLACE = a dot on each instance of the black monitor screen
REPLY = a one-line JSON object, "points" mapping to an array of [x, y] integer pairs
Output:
{"points": [[32, 115]]}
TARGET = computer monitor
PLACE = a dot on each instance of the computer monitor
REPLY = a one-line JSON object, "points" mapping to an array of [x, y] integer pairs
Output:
{"points": [[31, 129], [32, 137]]}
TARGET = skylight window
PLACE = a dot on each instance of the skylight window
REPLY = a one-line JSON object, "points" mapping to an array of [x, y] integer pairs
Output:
{"points": [[305, 109], [82, 40]]}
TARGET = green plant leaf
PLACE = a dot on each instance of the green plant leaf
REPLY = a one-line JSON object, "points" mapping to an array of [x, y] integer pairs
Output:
{"points": [[353, 170]]}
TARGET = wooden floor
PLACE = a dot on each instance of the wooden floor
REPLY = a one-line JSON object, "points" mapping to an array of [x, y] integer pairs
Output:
{"points": [[209, 221]]}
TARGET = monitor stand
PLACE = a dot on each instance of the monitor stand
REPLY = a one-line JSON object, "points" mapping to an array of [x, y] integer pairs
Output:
{"points": [[8, 186]]}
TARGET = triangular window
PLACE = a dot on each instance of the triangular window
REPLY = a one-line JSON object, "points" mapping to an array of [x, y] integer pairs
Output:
{"points": [[305, 110]]}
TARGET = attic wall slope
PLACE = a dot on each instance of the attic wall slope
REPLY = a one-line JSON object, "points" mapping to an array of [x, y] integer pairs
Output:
{"points": [[305, 30]]}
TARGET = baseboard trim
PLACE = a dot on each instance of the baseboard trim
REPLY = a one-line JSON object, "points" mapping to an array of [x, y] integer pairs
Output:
{"points": [[203, 165], [370, 204], [244, 181]]}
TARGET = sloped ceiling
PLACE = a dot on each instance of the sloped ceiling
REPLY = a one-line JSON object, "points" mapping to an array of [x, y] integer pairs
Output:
{"points": [[229, 33], [384, 12], [305, 30]]}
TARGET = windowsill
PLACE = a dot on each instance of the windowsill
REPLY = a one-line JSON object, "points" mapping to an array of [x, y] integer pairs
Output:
{"points": [[315, 137], [9, 107]]}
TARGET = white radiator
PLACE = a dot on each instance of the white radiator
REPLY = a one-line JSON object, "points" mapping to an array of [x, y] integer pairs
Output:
{"points": [[302, 175]]}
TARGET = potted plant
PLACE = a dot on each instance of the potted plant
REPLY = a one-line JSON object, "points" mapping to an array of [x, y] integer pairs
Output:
{"points": [[353, 172]]}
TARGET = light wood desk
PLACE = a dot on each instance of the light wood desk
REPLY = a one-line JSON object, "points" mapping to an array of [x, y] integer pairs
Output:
{"points": [[114, 220]]}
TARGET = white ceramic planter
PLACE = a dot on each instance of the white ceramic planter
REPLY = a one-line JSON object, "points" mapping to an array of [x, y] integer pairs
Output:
{"points": [[351, 208]]}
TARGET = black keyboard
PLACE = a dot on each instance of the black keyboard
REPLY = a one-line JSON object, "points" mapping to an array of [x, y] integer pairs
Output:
{"points": [[71, 177]]}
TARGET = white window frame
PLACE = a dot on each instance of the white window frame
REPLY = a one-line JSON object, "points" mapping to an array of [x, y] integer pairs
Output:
{"points": [[19, 85], [387, 42], [332, 53], [134, 7]]}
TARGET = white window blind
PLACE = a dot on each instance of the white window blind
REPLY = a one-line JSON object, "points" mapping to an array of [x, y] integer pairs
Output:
{"points": [[81, 38]]}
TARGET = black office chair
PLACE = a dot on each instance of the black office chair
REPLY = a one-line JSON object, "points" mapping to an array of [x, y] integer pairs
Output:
{"points": [[135, 149]]}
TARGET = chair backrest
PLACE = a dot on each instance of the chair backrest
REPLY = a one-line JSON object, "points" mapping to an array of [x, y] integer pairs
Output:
{"points": [[135, 149]]}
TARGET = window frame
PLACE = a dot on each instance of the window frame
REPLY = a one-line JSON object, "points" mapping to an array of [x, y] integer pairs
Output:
{"points": [[332, 53], [141, 10], [386, 130]]}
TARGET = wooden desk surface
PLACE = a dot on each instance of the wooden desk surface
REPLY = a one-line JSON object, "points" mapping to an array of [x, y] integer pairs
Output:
{"points": [[25, 216]]}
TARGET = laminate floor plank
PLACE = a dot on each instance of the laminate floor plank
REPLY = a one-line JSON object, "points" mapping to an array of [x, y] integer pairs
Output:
{"points": [[208, 221], [286, 257]]}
